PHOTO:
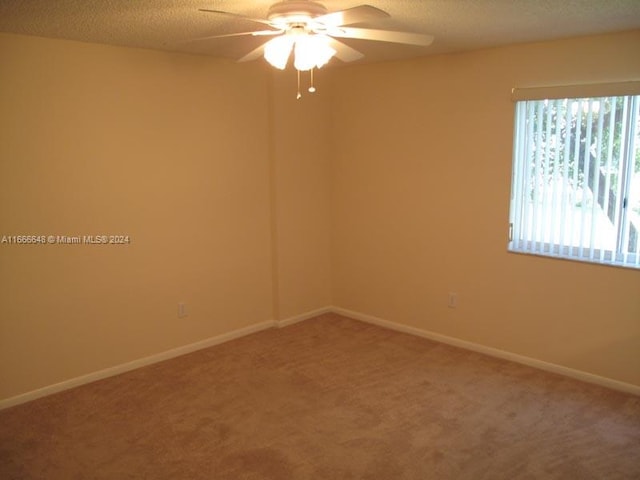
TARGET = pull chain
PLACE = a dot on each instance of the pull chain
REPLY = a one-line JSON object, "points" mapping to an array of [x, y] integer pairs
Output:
{"points": [[312, 89], [299, 95]]}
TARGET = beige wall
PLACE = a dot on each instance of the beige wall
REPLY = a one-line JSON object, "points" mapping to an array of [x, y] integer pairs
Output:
{"points": [[421, 181], [380, 194], [301, 175], [169, 149]]}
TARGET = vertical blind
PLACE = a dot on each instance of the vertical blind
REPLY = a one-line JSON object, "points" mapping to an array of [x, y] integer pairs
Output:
{"points": [[576, 178]]}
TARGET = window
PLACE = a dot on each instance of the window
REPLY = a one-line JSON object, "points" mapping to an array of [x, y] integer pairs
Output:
{"points": [[576, 178]]}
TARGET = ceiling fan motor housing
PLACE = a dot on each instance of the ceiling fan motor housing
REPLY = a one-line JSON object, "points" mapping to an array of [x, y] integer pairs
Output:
{"points": [[295, 11]]}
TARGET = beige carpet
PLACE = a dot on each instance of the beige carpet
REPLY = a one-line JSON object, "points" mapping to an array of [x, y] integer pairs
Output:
{"points": [[329, 398]]}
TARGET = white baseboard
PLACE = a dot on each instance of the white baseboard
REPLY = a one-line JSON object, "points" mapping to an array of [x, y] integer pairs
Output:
{"points": [[302, 317], [494, 352], [225, 337], [141, 362], [159, 357]]}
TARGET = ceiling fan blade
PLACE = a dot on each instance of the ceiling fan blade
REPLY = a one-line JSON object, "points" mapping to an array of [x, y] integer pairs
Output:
{"points": [[362, 13], [253, 54], [235, 15], [266, 33], [382, 35], [240, 34], [344, 52]]}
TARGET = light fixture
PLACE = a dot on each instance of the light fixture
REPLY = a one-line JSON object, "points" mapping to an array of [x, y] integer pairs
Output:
{"points": [[277, 51], [310, 50]]}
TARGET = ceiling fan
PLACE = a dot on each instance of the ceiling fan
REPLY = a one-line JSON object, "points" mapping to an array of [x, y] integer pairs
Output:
{"points": [[310, 31]]}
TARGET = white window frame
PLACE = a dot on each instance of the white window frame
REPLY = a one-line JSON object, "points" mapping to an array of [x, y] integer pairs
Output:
{"points": [[525, 238]]}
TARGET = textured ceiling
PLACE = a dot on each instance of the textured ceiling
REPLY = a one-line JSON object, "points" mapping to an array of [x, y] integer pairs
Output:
{"points": [[456, 24]]}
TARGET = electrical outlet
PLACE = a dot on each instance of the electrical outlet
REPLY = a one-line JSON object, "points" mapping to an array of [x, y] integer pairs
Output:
{"points": [[182, 310], [453, 300]]}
